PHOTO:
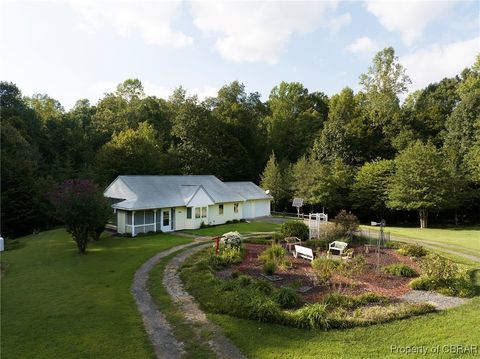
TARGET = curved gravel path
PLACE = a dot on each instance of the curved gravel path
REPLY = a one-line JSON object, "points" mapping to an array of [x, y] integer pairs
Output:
{"points": [[439, 301], [219, 343], [156, 325]]}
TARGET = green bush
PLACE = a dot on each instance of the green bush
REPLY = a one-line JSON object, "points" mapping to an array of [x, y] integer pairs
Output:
{"points": [[461, 286], [226, 256], [400, 270], [269, 267], [313, 316], [228, 285], [263, 309], [369, 298], [277, 237], [380, 314], [275, 254], [294, 229], [337, 300], [347, 223], [438, 268], [262, 287], [360, 239], [331, 232], [287, 298], [259, 240], [443, 276], [412, 250], [244, 280], [316, 244], [324, 268], [353, 266], [393, 245], [231, 255]]}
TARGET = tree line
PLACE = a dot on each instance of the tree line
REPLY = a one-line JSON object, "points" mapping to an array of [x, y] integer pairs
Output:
{"points": [[363, 151]]}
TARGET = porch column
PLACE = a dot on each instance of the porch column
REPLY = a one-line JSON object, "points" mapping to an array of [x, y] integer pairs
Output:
{"points": [[154, 220], [133, 223]]}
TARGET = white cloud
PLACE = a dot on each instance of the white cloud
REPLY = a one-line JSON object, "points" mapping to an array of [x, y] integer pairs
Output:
{"points": [[151, 19], [362, 45], [257, 31], [436, 62], [407, 17], [336, 23]]}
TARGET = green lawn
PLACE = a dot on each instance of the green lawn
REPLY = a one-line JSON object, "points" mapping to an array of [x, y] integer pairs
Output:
{"points": [[468, 238], [242, 227], [457, 326], [59, 304]]}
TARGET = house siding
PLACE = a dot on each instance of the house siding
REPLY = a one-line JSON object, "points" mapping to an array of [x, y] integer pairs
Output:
{"points": [[228, 213], [261, 208], [121, 221]]}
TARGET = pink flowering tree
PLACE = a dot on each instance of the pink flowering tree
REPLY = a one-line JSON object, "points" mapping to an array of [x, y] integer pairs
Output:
{"points": [[81, 205]]}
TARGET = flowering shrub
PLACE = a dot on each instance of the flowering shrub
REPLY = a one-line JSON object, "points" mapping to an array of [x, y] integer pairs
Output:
{"points": [[443, 276], [83, 208], [232, 239]]}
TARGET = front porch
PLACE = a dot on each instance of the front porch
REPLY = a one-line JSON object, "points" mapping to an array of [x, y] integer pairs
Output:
{"points": [[144, 221]]}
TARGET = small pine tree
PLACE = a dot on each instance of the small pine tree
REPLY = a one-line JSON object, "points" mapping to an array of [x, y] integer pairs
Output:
{"points": [[273, 179]]}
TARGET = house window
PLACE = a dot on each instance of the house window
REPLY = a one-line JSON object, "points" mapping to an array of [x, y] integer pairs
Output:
{"points": [[197, 212], [204, 212], [235, 207], [189, 212], [166, 218], [220, 209]]}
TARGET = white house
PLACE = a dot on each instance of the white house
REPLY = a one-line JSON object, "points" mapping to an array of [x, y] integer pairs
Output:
{"points": [[171, 203]]}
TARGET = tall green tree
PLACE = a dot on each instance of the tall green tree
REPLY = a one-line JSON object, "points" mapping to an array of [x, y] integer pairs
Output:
{"points": [[348, 134], [425, 112], [370, 189], [295, 118], [20, 128], [242, 116], [273, 180], [325, 184], [421, 182], [384, 81], [133, 152]]}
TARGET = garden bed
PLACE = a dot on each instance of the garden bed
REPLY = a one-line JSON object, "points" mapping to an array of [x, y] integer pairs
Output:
{"points": [[301, 274]]}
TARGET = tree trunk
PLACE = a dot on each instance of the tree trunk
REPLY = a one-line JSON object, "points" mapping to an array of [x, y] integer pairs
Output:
{"points": [[423, 218], [456, 217]]}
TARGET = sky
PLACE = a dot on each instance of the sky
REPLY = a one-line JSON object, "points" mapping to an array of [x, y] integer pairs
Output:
{"points": [[74, 49]]}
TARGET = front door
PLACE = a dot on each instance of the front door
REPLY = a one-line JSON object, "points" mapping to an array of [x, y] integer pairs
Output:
{"points": [[166, 220]]}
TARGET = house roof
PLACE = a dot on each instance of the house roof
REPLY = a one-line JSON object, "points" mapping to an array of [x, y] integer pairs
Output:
{"points": [[247, 190], [147, 192]]}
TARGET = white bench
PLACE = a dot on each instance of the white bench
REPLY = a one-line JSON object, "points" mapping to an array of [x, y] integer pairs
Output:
{"points": [[303, 252], [337, 246]]}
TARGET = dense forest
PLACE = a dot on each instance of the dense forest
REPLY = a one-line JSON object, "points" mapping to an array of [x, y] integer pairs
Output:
{"points": [[367, 152]]}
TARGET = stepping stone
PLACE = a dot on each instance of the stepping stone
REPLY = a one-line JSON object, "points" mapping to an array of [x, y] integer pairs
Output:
{"points": [[304, 289], [273, 278]]}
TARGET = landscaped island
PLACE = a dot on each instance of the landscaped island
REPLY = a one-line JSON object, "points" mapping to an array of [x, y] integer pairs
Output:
{"points": [[265, 281]]}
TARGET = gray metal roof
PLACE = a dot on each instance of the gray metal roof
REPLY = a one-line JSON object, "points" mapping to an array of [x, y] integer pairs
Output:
{"points": [[146, 192], [248, 190]]}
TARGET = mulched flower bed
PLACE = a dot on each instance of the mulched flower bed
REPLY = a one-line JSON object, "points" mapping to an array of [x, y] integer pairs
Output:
{"points": [[301, 274]]}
